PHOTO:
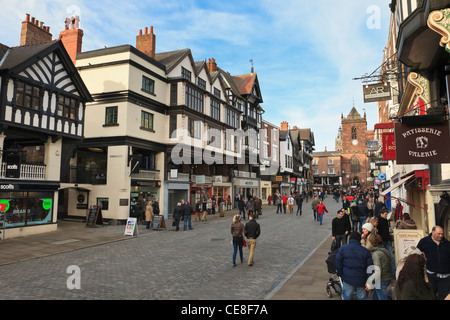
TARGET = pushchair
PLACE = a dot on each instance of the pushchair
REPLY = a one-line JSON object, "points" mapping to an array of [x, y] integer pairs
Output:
{"points": [[335, 281]]}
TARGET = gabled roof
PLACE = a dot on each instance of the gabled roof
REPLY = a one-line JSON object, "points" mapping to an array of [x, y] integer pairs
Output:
{"points": [[17, 60], [171, 58], [15, 56], [245, 83]]}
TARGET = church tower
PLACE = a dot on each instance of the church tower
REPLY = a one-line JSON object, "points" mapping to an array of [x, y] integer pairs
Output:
{"points": [[355, 164]]}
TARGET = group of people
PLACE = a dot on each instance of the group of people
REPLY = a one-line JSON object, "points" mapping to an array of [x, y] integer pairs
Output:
{"points": [[252, 206], [423, 273], [286, 203]]}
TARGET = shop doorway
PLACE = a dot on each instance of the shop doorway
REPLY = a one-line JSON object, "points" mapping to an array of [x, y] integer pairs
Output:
{"points": [[176, 196]]}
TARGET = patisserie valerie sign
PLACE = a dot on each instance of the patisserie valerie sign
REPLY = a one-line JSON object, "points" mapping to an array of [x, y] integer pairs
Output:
{"points": [[422, 144]]}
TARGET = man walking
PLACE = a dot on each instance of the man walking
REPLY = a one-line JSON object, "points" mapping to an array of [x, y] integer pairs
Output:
{"points": [[252, 232], [187, 213], [299, 201], [352, 261], [437, 252], [340, 228]]}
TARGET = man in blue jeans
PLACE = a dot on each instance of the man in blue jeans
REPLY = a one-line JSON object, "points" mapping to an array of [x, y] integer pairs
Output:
{"points": [[352, 263]]}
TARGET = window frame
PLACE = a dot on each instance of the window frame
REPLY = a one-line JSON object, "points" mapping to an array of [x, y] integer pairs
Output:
{"points": [[150, 83], [147, 121], [114, 116]]}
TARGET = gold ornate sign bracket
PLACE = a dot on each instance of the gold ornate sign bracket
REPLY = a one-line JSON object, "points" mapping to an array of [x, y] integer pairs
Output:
{"points": [[439, 21]]}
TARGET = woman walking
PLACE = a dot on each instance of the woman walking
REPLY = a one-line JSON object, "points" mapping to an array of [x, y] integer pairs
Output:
{"points": [[237, 231]]}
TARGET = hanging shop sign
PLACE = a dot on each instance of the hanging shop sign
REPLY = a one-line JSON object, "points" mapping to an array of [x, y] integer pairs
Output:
{"points": [[388, 145], [377, 92], [373, 145], [422, 144]]}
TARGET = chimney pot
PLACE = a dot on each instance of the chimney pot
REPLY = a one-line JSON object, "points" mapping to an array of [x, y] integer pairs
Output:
{"points": [[32, 20], [146, 42], [27, 17], [37, 22]]}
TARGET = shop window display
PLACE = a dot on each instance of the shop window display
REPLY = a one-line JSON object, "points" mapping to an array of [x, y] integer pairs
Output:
{"points": [[26, 210]]}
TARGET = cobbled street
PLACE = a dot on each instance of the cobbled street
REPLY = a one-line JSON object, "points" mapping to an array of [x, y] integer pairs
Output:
{"points": [[181, 265]]}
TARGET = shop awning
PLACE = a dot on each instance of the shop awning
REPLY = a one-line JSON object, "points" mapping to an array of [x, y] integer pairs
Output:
{"points": [[396, 185]]}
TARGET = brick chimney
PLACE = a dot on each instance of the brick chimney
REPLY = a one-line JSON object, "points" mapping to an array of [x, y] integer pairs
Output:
{"points": [[34, 32], [72, 37], [284, 126], [146, 42], [212, 65]]}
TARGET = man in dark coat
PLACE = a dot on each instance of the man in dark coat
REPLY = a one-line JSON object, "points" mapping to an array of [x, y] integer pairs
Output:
{"points": [[340, 228], [437, 252], [187, 213], [352, 263], [177, 214]]}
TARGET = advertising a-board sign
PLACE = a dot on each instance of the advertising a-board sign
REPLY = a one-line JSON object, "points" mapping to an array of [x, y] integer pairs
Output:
{"points": [[422, 144]]}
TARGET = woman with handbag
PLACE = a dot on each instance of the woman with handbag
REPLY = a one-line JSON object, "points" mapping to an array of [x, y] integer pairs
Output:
{"points": [[237, 231]]}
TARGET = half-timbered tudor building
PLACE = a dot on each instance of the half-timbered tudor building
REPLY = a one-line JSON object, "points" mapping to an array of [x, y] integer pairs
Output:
{"points": [[42, 105]]}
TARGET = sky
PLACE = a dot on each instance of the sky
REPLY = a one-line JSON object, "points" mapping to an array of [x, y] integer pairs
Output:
{"points": [[306, 53]]}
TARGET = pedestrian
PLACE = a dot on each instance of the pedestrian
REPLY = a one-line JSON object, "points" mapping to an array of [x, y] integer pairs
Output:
{"points": [[354, 215], [241, 206], [379, 205], [269, 199], [437, 254], [252, 232], [209, 205], [187, 213], [299, 201], [381, 278], [198, 210], [383, 231], [257, 205], [398, 212], [411, 283], [250, 207], [278, 203], [284, 200], [340, 228], [352, 262], [290, 204], [237, 232], [204, 209], [229, 205], [405, 223], [408, 251], [155, 206], [367, 230], [363, 214], [370, 206], [149, 214], [177, 214], [213, 204], [321, 210], [314, 208]]}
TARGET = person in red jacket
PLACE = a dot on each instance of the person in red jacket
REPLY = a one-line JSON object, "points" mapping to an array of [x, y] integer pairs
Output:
{"points": [[284, 199], [321, 210]]}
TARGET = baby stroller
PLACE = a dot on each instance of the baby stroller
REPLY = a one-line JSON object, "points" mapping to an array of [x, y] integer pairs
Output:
{"points": [[335, 281]]}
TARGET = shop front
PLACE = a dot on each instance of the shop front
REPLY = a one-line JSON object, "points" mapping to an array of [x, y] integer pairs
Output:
{"points": [[200, 191], [222, 188], [246, 187], [27, 209], [266, 190], [141, 190]]}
